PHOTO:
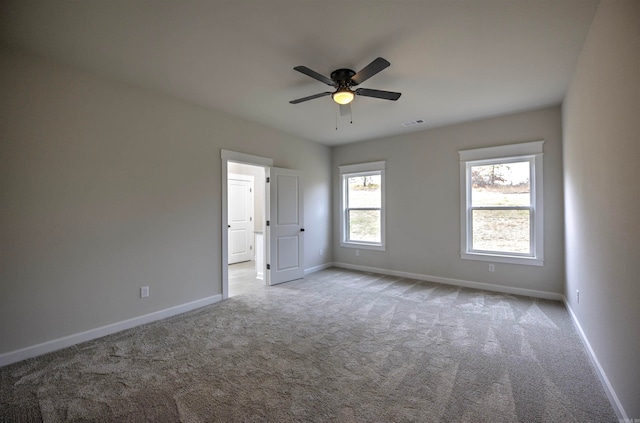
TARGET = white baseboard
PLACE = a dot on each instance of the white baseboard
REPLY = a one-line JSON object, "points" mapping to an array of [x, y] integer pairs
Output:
{"points": [[457, 282], [611, 394], [67, 341], [317, 268]]}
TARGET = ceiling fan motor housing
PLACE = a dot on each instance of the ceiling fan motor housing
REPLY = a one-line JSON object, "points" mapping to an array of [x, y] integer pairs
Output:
{"points": [[342, 77]]}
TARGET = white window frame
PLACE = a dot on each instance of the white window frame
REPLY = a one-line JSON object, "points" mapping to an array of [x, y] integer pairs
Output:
{"points": [[529, 151], [355, 170]]}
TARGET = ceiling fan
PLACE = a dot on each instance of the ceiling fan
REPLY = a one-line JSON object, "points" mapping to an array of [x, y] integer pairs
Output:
{"points": [[344, 79]]}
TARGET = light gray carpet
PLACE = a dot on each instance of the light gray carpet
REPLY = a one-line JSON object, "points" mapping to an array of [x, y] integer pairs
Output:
{"points": [[242, 278], [338, 346]]}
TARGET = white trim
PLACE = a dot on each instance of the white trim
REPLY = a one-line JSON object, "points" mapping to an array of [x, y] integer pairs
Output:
{"points": [[527, 151], [77, 338], [611, 394], [355, 170], [226, 156], [457, 282], [502, 151], [362, 246], [317, 268], [362, 167], [494, 258], [235, 156]]}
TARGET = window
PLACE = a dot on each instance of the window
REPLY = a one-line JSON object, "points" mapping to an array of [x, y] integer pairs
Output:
{"points": [[501, 199], [362, 205]]}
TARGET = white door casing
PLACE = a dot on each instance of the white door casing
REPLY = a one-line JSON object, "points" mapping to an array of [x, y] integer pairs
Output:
{"points": [[228, 156], [286, 228], [240, 218]]}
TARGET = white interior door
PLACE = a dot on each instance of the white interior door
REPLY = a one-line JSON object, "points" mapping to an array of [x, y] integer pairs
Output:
{"points": [[286, 226], [240, 218]]}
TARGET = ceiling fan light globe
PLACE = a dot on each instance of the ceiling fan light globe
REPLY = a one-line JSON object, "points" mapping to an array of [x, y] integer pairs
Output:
{"points": [[343, 97]]}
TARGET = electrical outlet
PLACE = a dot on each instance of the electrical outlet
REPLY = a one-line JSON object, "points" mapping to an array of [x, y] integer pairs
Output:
{"points": [[357, 253], [144, 292], [320, 253], [492, 267], [578, 296]]}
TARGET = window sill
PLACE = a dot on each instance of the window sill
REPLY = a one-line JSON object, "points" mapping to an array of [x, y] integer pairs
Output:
{"points": [[527, 261], [363, 246]]}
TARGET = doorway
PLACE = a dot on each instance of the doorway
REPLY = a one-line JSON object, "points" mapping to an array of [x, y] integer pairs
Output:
{"points": [[245, 221], [282, 246]]}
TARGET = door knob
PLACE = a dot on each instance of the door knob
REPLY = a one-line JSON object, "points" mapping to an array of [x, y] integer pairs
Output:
{"points": [[301, 229], [228, 226]]}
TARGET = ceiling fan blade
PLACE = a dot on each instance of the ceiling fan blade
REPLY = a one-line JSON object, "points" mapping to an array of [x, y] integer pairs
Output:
{"points": [[314, 75], [370, 70], [345, 109], [311, 97], [385, 95]]}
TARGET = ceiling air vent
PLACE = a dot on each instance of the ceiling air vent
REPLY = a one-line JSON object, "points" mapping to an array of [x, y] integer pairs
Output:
{"points": [[413, 122]]}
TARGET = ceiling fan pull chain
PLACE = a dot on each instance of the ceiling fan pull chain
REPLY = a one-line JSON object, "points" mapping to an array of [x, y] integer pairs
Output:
{"points": [[336, 121]]}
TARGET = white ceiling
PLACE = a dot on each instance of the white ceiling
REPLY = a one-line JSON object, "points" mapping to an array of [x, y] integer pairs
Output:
{"points": [[453, 60]]}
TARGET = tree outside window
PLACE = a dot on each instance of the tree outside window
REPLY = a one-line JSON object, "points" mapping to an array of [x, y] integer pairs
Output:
{"points": [[362, 217], [501, 208], [501, 204]]}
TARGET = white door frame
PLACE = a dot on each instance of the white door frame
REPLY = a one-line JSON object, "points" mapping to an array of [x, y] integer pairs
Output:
{"points": [[226, 157]]}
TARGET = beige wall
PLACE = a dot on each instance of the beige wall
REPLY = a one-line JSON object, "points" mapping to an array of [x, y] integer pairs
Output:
{"points": [[601, 120], [423, 200], [105, 188]]}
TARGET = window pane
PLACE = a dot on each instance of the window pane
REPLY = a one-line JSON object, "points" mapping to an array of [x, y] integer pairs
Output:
{"points": [[364, 191], [501, 230], [505, 184], [364, 225]]}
